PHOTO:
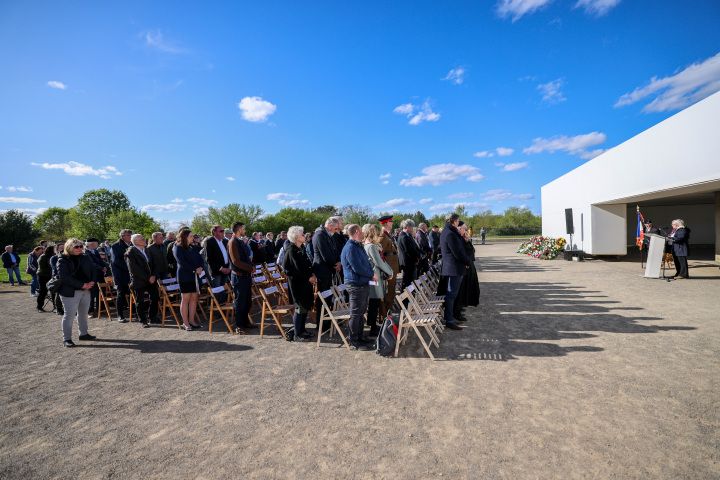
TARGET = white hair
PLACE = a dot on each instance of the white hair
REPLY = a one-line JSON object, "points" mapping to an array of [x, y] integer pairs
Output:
{"points": [[135, 237], [294, 232], [332, 221], [407, 223], [679, 222]]}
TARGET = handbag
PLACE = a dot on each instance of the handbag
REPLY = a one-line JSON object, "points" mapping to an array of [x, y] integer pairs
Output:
{"points": [[54, 285]]}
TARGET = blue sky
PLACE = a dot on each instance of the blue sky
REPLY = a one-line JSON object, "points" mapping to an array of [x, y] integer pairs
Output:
{"points": [[394, 105]]}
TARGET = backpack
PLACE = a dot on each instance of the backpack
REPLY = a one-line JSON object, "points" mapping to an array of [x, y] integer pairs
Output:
{"points": [[387, 338], [290, 334]]}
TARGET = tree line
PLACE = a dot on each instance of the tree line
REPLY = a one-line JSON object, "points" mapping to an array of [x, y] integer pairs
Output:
{"points": [[102, 213]]}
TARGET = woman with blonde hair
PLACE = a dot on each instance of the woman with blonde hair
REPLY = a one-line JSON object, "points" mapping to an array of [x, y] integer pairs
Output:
{"points": [[679, 240], [190, 266], [384, 272], [76, 271]]}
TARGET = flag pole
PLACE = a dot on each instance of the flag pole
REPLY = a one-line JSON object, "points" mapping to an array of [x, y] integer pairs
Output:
{"points": [[642, 265]]}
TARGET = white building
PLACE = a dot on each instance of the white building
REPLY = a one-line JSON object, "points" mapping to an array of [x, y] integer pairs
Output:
{"points": [[671, 170]]}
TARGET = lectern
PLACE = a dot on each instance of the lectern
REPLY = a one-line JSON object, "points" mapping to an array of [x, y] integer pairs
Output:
{"points": [[655, 256]]}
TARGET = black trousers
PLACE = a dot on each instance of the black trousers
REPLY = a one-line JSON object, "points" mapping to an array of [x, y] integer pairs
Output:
{"points": [[123, 293], [681, 266], [372, 312], [142, 309], [409, 275], [43, 291]]}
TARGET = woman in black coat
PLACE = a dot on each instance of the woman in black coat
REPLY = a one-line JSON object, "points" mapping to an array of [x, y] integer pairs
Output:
{"points": [[44, 275], [680, 238], [301, 279], [470, 288]]}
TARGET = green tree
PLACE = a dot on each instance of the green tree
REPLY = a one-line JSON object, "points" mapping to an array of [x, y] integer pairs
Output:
{"points": [[17, 229], [95, 207], [54, 224], [326, 210], [201, 224], [356, 214], [235, 212], [138, 222], [287, 217]]}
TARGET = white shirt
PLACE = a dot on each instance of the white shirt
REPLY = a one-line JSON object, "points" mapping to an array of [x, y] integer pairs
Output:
{"points": [[223, 250], [142, 250]]}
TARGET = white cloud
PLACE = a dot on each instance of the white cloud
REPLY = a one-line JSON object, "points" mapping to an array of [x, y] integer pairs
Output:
{"points": [[475, 178], [483, 154], [597, 7], [282, 196], [514, 166], [424, 112], [386, 175], [255, 109], [589, 155], [154, 39], [20, 189], [504, 152], [20, 200], [500, 195], [518, 8], [395, 203], [200, 210], [694, 83], [425, 201], [456, 75], [55, 84], [551, 93], [442, 174], [461, 195], [446, 207], [171, 207], [385, 182], [177, 200], [232, 179], [28, 211], [499, 164], [576, 145], [202, 202], [295, 203], [79, 169]]}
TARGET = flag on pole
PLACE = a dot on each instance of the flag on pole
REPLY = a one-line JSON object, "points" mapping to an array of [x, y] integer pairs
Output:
{"points": [[640, 229]]}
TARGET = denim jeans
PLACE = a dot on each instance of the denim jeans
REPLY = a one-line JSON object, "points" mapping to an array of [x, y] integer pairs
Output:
{"points": [[243, 298], [450, 296], [34, 285], [17, 274], [218, 280], [359, 296]]}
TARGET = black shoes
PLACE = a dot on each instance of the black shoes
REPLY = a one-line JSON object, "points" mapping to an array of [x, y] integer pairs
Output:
{"points": [[374, 331], [453, 326], [40, 309], [68, 343], [155, 320], [87, 336], [122, 320], [300, 338], [361, 346]]}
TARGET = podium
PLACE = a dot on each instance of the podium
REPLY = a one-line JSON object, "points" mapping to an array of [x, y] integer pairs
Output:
{"points": [[655, 256]]}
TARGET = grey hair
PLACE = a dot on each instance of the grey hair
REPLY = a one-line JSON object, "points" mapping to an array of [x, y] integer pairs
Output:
{"points": [[332, 221], [157, 234], [8, 246], [294, 232], [125, 231], [407, 223], [452, 217], [135, 237], [680, 223], [422, 225]]}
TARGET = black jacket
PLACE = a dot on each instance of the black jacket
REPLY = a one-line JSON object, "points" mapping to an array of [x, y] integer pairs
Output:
{"points": [[298, 269], [158, 254], [7, 262], [214, 257], [68, 274], [121, 276], [325, 253], [140, 268], [258, 251], [454, 258], [408, 252]]}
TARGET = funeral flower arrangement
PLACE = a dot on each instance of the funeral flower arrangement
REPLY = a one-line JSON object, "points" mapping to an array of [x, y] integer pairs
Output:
{"points": [[544, 248]]}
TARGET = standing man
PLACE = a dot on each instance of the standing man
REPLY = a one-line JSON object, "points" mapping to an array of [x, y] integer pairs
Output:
{"points": [[482, 235], [409, 253], [218, 260], [649, 229], [12, 263], [435, 243], [242, 269], [228, 237], [358, 272], [280, 243], [143, 279], [390, 252], [121, 274], [326, 257], [169, 246], [257, 246], [454, 266], [170, 239], [421, 237], [270, 250], [157, 251], [91, 245]]}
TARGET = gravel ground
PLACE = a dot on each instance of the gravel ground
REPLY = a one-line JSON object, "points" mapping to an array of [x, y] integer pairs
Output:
{"points": [[565, 370]]}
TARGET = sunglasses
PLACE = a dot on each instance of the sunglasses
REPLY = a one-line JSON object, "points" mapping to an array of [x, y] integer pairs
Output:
{"points": [[78, 246]]}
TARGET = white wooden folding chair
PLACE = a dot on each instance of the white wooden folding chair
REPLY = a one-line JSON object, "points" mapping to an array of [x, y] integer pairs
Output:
{"points": [[335, 317], [170, 299], [412, 320], [225, 309], [275, 304], [339, 302]]}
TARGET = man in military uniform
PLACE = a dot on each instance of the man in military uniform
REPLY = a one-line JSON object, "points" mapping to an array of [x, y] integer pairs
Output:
{"points": [[390, 252]]}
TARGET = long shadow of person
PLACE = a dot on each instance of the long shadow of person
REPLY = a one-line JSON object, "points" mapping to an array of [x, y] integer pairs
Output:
{"points": [[165, 346]]}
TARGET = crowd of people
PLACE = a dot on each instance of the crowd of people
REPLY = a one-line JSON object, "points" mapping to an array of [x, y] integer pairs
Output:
{"points": [[367, 260]]}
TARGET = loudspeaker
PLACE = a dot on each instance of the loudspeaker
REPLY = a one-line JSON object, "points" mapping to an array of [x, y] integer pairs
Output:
{"points": [[569, 221]]}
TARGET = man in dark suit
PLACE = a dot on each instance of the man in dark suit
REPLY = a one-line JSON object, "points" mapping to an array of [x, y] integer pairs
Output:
{"points": [[121, 275], [143, 280], [435, 243], [280, 242], [157, 251], [270, 251], [454, 266], [91, 245], [409, 253], [218, 259], [326, 257], [257, 247], [242, 269], [422, 241], [649, 229]]}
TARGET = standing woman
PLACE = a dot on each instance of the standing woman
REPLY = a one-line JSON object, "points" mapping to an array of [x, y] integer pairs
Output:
{"points": [[44, 274], [680, 237], [189, 266], [301, 279], [470, 287], [384, 272], [32, 266], [76, 271]]}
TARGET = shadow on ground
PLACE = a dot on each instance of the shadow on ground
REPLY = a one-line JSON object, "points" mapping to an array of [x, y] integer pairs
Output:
{"points": [[166, 346]]}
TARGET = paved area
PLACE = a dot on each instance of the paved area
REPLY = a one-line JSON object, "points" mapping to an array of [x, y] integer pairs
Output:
{"points": [[565, 370]]}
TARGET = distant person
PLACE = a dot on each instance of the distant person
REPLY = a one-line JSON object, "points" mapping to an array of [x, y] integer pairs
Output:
{"points": [[76, 272], [143, 280], [648, 230], [170, 239], [157, 251], [326, 257], [228, 236], [300, 281], [121, 275], [390, 255], [482, 235], [218, 259], [409, 252], [455, 265], [242, 268], [680, 238], [422, 240], [358, 273], [32, 266], [257, 247], [434, 239], [11, 262], [372, 234], [91, 250], [271, 252], [44, 275], [190, 265], [280, 242]]}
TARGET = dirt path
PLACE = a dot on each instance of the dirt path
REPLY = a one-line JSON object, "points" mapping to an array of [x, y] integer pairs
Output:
{"points": [[566, 370]]}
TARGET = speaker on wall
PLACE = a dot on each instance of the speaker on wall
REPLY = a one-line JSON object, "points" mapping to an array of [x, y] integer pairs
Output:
{"points": [[569, 221]]}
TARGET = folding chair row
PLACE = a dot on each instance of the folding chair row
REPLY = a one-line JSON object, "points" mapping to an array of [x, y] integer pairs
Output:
{"points": [[336, 317], [411, 318]]}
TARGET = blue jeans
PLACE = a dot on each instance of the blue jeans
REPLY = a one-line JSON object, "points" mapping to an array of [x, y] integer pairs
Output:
{"points": [[17, 274], [453, 289], [243, 298], [218, 280], [34, 285], [359, 297]]}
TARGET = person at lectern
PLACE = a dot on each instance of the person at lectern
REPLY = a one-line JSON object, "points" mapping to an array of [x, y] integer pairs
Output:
{"points": [[679, 238], [649, 229]]}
